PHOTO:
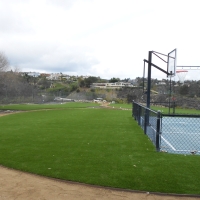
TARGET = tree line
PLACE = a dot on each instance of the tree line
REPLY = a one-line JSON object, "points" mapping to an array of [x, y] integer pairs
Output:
{"points": [[16, 87]]}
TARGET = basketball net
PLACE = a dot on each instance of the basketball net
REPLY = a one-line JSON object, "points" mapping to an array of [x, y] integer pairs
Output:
{"points": [[181, 75]]}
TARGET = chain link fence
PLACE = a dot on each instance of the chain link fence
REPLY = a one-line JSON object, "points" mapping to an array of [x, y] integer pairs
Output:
{"points": [[169, 132], [180, 134], [150, 121]]}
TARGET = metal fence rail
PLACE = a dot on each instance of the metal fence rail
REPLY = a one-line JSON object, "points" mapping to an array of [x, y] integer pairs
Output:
{"points": [[169, 133]]}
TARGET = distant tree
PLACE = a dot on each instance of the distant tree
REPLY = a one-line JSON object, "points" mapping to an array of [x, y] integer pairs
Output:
{"points": [[114, 80], [13, 86], [103, 81], [43, 83], [131, 97], [193, 89], [73, 87], [140, 81], [184, 90], [81, 83], [3, 62], [126, 79], [27, 77], [88, 81]]}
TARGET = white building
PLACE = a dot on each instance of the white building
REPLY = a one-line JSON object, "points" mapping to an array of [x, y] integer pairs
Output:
{"points": [[116, 85]]}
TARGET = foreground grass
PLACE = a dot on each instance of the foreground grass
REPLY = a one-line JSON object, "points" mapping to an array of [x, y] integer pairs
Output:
{"points": [[95, 146]]}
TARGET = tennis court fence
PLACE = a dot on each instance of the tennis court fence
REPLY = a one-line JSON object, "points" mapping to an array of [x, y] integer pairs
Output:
{"points": [[169, 132]]}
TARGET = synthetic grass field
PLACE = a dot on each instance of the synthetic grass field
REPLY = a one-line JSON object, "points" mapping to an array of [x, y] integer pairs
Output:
{"points": [[165, 110], [83, 143]]}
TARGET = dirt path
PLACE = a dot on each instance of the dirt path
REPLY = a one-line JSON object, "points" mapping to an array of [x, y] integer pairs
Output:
{"points": [[17, 185]]}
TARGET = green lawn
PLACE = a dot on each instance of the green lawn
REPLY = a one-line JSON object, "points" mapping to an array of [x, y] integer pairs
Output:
{"points": [[165, 110], [96, 146], [121, 105], [24, 107]]}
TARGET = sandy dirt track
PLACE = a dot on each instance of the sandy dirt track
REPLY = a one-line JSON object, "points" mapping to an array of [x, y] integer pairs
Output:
{"points": [[17, 185]]}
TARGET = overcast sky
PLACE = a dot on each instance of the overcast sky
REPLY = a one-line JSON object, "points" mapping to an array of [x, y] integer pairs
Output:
{"points": [[106, 38]]}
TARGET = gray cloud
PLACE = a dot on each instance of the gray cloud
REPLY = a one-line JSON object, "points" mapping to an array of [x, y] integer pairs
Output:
{"points": [[54, 59], [13, 20], [66, 4], [99, 37]]}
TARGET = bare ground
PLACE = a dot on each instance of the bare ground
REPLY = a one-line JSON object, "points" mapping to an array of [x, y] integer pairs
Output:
{"points": [[17, 185]]}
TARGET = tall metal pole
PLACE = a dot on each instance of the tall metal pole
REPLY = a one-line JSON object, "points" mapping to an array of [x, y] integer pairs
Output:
{"points": [[149, 79], [158, 131], [170, 93], [146, 121]]}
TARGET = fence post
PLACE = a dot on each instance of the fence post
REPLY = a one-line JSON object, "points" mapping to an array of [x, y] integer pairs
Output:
{"points": [[133, 109], [174, 105], [158, 130], [139, 114], [145, 121]]}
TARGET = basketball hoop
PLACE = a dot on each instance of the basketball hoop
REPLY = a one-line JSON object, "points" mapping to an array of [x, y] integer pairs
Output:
{"points": [[181, 75]]}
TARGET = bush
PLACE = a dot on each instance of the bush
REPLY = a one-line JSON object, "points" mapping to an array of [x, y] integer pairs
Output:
{"points": [[92, 90]]}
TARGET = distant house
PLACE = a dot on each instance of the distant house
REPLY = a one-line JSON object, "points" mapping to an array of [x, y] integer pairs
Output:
{"points": [[161, 83], [33, 74], [116, 85], [44, 75], [54, 76]]}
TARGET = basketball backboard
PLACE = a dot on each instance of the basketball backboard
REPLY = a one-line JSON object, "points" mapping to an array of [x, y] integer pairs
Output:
{"points": [[171, 63]]}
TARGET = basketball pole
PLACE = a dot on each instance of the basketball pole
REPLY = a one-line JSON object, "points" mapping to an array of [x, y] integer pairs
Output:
{"points": [[150, 64], [149, 79], [170, 93]]}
